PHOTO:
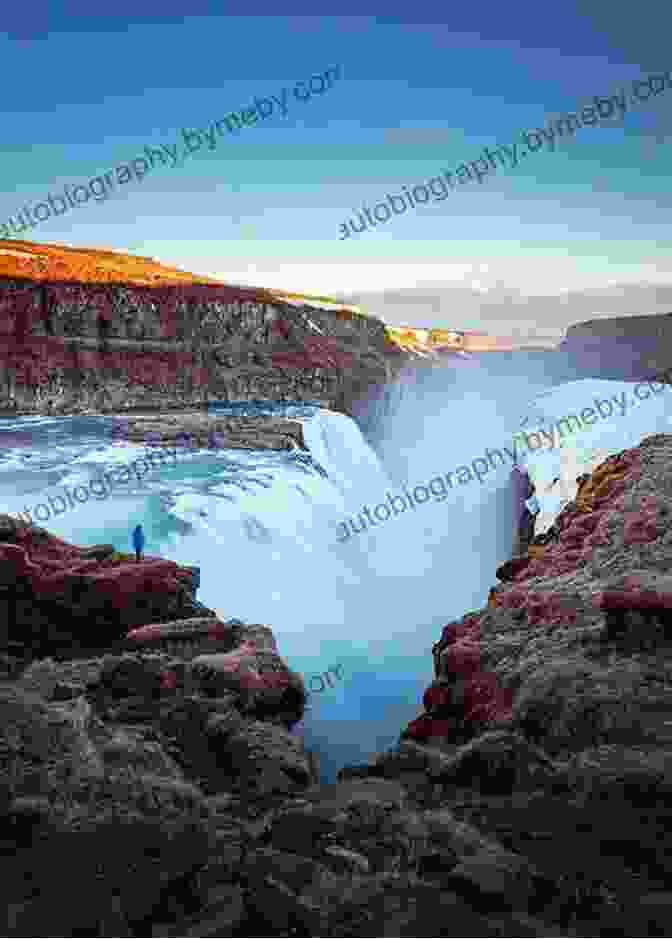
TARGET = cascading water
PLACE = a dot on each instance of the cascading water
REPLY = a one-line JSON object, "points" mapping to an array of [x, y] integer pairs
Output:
{"points": [[264, 529], [274, 533]]}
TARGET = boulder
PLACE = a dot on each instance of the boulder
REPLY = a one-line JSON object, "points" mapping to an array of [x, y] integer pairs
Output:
{"points": [[97, 552], [262, 758], [129, 838], [497, 762]]}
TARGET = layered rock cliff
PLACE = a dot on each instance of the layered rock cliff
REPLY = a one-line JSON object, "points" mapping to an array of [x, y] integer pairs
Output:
{"points": [[658, 326], [622, 346], [102, 331]]}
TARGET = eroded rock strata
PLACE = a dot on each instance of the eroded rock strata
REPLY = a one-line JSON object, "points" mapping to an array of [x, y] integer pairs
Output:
{"points": [[86, 330], [533, 798], [189, 430]]}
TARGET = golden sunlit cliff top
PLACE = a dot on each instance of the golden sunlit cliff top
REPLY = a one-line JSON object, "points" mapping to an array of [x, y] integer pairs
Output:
{"points": [[51, 262], [33, 261], [430, 342], [27, 259]]}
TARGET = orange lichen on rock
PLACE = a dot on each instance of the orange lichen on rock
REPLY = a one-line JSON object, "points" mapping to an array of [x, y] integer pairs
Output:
{"points": [[605, 482], [589, 522]]}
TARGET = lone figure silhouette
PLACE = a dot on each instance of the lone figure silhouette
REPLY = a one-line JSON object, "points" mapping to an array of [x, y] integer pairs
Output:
{"points": [[138, 541]]}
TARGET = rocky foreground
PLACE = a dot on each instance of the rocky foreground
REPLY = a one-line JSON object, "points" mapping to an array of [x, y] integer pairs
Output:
{"points": [[154, 787]]}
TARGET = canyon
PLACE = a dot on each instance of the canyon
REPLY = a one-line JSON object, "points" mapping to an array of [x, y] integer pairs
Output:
{"points": [[150, 742], [150, 739], [86, 330]]}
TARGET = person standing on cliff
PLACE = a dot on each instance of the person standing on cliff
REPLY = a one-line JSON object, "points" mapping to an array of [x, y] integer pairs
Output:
{"points": [[138, 541]]}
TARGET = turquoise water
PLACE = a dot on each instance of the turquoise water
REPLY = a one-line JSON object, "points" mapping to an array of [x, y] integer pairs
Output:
{"points": [[264, 528]]}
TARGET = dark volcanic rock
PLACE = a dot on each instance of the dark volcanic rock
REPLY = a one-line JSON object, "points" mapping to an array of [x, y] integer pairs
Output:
{"points": [[215, 433], [95, 833], [185, 808]]}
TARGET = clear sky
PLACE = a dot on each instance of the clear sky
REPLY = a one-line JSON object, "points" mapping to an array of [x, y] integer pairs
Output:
{"points": [[422, 90]]}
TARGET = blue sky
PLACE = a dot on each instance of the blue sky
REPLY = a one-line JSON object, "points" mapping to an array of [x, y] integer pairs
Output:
{"points": [[420, 92]]}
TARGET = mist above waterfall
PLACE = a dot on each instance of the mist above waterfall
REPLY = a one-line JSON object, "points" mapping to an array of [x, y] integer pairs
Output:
{"points": [[263, 527]]}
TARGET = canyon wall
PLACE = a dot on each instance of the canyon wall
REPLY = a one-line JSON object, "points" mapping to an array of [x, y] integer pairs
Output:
{"points": [[658, 326], [67, 346], [630, 347]]}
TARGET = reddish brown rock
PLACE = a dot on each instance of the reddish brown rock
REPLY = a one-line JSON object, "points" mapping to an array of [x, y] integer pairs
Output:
{"points": [[58, 596]]}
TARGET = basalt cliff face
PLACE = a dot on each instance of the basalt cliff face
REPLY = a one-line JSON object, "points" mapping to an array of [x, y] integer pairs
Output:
{"points": [[657, 326], [622, 346], [91, 330]]}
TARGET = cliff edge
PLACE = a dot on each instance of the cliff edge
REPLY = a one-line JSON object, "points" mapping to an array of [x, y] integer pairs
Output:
{"points": [[632, 347], [102, 331]]}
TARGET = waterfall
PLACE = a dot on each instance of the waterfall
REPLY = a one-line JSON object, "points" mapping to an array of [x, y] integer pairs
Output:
{"points": [[267, 528]]}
